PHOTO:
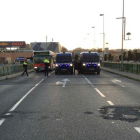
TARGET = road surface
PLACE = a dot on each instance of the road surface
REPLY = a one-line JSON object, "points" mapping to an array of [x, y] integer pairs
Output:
{"points": [[69, 107]]}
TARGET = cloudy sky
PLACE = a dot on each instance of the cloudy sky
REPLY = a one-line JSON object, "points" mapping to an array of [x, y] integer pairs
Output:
{"points": [[70, 22]]}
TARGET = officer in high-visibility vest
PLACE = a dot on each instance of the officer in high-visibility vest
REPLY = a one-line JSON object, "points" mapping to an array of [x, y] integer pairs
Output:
{"points": [[46, 61], [25, 67]]}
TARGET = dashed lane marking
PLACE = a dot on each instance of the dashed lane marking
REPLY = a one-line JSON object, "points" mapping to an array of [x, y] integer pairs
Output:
{"points": [[88, 81], [110, 102], [100, 92], [2, 121], [137, 128]]}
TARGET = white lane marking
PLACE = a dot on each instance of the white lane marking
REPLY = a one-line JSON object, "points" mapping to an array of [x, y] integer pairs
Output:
{"points": [[2, 121], [59, 83], [137, 128], [100, 92], [118, 82], [64, 81], [16, 105], [88, 81], [51, 72], [110, 102], [7, 114]]}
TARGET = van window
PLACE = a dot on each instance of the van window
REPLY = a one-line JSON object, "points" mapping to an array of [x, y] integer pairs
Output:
{"points": [[64, 59], [90, 58]]}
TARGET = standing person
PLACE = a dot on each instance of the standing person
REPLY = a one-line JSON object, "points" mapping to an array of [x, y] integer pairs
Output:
{"points": [[76, 65], [25, 67], [46, 61]]}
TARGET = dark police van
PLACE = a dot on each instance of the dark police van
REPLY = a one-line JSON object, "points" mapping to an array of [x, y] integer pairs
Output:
{"points": [[90, 62], [64, 63]]}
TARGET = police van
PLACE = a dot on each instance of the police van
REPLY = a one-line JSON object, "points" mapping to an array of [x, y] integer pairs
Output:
{"points": [[64, 63], [90, 62]]}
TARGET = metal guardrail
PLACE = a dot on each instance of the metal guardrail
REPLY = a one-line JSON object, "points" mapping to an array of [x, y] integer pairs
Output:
{"points": [[127, 67], [10, 69]]}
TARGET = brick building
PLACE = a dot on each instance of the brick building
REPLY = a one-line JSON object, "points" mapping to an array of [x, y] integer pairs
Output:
{"points": [[9, 51]]}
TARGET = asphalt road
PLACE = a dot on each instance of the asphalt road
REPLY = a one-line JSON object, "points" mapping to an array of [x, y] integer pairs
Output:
{"points": [[70, 107]]}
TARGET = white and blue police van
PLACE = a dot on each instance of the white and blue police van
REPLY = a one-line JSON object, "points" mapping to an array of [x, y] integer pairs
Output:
{"points": [[90, 62], [64, 63]]}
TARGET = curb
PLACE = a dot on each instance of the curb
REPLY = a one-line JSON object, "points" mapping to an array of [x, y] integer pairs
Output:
{"points": [[122, 75], [13, 75]]}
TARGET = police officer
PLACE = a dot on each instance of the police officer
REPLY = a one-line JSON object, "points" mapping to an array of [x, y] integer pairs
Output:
{"points": [[77, 65], [25, 67], [46, 61]]}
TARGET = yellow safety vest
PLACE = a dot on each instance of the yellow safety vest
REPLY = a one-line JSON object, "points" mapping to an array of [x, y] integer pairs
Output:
{"points": [[46, 61], [25, 63]]}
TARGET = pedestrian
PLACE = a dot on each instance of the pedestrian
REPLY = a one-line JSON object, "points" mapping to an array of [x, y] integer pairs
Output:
{"points": [[46, 61], [25, 67], [76, 65]]}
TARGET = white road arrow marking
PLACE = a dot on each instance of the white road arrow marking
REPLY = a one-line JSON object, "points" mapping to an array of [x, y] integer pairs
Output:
{"points": [[63, 83], [59, 83], [65, 80], [118, 82]]}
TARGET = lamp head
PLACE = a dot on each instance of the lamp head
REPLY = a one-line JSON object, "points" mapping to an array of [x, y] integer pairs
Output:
{"points": [[101, 14]]}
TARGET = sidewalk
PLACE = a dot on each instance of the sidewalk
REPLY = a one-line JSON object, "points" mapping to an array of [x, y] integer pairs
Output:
{"points": [[14, 75], [122, 73]]}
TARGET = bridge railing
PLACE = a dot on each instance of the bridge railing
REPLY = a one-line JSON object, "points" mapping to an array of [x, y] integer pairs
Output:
{"points": [[127, 67], [13, 68]]}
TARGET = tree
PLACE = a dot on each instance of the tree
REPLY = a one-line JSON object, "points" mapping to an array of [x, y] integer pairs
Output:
{"points": [[110, 57], [64, 49], [124, 56], [99, 50], [105, 57], [120, 57], [130, 56], [134, 54], [76, 56], [138, 56]]}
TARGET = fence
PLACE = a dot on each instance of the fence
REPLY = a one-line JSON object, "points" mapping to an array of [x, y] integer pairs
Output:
{"points": [[132, 68], [10, 69]]}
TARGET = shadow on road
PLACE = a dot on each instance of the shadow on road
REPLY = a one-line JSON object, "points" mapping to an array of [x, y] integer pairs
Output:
{"points": [[122, 113]]}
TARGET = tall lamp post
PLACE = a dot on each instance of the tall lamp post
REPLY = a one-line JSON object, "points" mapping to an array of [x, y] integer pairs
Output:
{"points": [[103, 35], [94, 37], [123, 34], [123, 19]]}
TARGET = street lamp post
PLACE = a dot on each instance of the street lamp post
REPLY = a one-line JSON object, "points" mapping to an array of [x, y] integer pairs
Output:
{"points": [[123, 34], [94, 37], [103, 35]]}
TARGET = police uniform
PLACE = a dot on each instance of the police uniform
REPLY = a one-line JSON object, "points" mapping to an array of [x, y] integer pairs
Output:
{"points": [[46, 61], [25, 68], [77, 66]]}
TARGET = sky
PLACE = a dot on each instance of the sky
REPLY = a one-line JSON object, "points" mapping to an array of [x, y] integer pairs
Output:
{"points": [[70, 22]]}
